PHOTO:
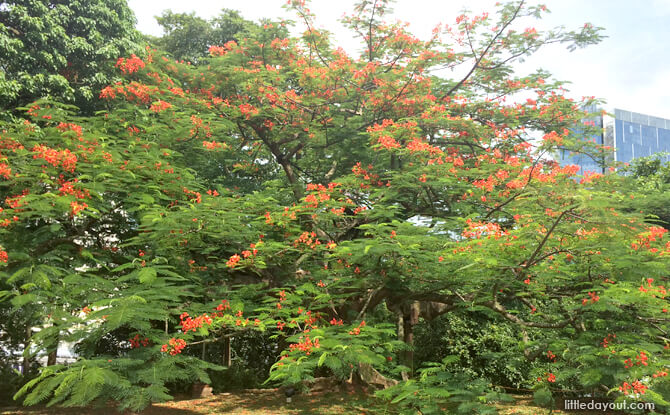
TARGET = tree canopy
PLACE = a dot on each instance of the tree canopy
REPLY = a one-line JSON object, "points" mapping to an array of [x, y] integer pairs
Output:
{"points": [[332, 202], [61, 49]]}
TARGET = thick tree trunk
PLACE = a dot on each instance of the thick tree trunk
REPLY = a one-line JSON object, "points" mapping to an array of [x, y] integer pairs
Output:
{"points": [[401, 336], [51, 358], [408, 316], [410, 319]]}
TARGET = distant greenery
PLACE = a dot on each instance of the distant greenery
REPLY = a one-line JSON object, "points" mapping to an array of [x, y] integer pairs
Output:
{"points": [[188, 37], [652, 178]]}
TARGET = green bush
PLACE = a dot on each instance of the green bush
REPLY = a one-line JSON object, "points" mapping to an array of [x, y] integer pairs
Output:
{"points": [[484, 347]]}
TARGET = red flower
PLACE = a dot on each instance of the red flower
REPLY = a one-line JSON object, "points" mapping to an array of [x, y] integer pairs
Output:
{"points": [[160, 106], [77, 207], [174, 346], [232, 262], [130, 65], [5, 170]]}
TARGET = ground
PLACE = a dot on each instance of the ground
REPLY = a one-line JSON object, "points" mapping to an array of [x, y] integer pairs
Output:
{"points": [[273, 403]]}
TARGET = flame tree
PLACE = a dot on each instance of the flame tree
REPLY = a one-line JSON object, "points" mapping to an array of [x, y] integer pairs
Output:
{"points": [[284, 186]]}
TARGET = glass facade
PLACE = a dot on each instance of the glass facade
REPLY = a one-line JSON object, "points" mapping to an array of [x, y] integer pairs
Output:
{"points": [[639, 135], [631, 134]]}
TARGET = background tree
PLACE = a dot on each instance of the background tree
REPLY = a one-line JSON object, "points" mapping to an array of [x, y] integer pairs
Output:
{"points": [[652, 177], [188, 37], [61, 49]]}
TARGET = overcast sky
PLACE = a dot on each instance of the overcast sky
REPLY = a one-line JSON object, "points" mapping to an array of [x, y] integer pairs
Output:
{"points": [[630, 68]]}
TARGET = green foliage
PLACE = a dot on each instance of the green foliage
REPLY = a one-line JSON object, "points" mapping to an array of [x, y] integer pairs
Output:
{"points": [[101, 379], [62, 50], [486, 347], [652, 179], [442, 388], [340, 349]]}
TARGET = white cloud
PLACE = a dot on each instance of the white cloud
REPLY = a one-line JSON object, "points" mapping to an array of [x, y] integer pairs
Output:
{"points": [[661, 7]]}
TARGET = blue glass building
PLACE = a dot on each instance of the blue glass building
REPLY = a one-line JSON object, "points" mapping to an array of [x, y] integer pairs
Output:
{"points": [[630, 134], [637, 135]]}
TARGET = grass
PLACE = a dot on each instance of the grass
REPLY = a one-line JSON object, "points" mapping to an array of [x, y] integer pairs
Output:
{"points": [[272, 403]]}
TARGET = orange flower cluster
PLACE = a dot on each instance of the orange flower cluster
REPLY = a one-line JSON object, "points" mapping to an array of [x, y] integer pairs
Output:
{"points": [[233, 260], [15, 201], [174, 346], [550, 378], [658, 291], [248, 253], [133, 91], [653, 234], [641, 359], [160, 106], [192, 324], [553, 137], [538, 173], [592, 296], [305, 345], [213, 145], [70, 127], [5, 170], [636, 387], [67, 188], [248, 110], [477, 229], [76, 207], [222, 50], [307, 238], [589, 177], [56, 157], [357, 330], [130, 65]]}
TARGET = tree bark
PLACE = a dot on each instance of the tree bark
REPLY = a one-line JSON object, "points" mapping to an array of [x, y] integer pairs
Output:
{"points": [[51, 358], [410, 319], [25, 364], [53, 353], [401, 336], [226, 352]]}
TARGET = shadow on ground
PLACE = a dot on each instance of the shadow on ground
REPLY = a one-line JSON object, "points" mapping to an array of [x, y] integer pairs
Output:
{"points": [[268, 402]]}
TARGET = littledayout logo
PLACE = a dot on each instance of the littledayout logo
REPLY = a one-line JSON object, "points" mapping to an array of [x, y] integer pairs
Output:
{"points": [[606, 407]]}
